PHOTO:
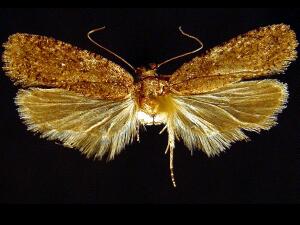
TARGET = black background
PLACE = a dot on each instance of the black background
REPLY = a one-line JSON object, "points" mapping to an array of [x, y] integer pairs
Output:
{"points": [[33, 170]]}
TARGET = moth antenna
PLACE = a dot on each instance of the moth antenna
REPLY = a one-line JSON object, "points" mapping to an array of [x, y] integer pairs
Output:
{"points": [[109, 51], [185, 54]]}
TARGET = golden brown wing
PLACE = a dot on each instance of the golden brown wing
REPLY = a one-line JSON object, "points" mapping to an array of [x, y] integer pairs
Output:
{"points": [[38, 61], [265, 51], [212, 121], [94, 126]]}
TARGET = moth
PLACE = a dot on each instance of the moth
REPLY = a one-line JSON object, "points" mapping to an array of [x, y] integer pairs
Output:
{"points": [[92, 104]]}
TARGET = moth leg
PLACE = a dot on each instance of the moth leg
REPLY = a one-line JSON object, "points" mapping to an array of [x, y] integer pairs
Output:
{"points": [[170, 148], [138, 133], [171, 166]]}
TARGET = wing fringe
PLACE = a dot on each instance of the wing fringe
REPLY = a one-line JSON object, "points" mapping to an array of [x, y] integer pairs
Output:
{"points": [[95, 127], [213, 121]]}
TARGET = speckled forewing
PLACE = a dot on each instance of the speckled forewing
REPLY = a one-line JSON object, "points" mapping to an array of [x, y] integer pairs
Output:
{"points": [[265, 51], [32, 60]]}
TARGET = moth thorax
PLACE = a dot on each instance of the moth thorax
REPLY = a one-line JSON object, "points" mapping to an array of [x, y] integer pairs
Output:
{"points": [[149, 106], [151, 89]]}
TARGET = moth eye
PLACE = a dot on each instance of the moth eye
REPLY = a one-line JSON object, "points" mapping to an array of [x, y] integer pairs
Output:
{"points": [[153, 66]]}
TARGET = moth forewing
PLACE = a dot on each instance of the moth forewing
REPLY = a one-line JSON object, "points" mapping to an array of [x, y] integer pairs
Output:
{"points": [[38, 61], [256, 54]]}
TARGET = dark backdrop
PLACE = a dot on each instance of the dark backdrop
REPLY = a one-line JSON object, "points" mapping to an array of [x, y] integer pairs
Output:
{"points": [[33, 170]]}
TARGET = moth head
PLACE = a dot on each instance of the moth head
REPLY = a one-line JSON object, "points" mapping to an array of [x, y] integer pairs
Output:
{"points": [[144, 72]]}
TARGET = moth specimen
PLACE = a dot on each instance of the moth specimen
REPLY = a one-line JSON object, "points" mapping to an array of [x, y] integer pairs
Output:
{"points": [[92, 104]]}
